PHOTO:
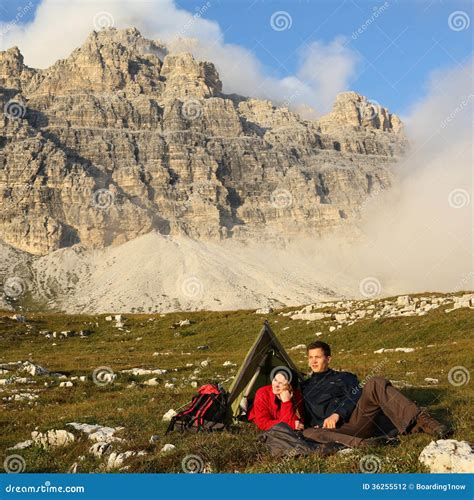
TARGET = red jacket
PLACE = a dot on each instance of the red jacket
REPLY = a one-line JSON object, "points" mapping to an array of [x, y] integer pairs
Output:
{"points": [[268, 410]]}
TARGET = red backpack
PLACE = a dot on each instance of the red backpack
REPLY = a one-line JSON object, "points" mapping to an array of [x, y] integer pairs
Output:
{"points": [[207, 411]]}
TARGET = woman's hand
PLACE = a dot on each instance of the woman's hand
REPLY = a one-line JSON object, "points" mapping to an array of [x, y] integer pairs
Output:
{"points": [[299, 426], [285, 395]]}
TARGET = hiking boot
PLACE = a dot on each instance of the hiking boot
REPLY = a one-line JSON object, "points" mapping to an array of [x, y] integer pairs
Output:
{"points": [[426, 423]]}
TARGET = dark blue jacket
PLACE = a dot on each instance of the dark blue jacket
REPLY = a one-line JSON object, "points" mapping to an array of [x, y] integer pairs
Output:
{"points": [[330, 392]]}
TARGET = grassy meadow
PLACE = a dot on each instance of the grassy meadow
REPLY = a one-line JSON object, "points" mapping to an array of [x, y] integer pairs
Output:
{"points": [[151, 341]]}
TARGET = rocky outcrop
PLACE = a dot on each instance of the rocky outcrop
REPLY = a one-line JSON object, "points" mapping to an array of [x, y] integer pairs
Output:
{"points": [[122, 138], [448, 455]]}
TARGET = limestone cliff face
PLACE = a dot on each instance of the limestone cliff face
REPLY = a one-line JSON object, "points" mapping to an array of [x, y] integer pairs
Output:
{"points": [[122, 138]]}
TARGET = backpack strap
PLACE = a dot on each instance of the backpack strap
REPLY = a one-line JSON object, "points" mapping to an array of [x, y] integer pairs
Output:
{"points": [[202, 411]]}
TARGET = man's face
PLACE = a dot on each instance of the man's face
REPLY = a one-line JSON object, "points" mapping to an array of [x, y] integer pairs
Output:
{"points": [[279, 383], [317, 360]]}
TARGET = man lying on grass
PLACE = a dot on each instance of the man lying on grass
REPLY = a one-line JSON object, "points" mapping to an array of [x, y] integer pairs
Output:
{"points": [[339, 409]]}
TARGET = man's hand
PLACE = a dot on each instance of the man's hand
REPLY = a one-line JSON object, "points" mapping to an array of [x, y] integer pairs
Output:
{"points": [[330, 422], [285, 396], [299, 426]]}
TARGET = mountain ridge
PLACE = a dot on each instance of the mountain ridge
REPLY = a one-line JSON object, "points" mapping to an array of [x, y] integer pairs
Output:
{"points": [[123, 137]]}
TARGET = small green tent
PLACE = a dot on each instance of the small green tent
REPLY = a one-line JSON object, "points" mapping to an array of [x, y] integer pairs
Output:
{"points": [[264, 358]]}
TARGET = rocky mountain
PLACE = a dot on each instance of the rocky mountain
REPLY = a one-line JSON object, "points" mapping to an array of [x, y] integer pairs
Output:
{"points": [[123, 138]]}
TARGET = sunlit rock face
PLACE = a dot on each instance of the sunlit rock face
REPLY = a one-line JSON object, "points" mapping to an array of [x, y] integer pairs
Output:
{"points": [[122, 138]]}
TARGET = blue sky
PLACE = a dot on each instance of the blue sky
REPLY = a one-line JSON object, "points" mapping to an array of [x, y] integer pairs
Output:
{"points": [[397, 53]]}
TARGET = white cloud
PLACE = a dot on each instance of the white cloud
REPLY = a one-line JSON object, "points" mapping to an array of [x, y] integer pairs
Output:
{"points": [[420, 235], [61, 26], [327, 69]]}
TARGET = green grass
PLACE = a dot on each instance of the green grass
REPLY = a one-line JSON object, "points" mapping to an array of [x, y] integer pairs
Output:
{"points": [[229, 335]]}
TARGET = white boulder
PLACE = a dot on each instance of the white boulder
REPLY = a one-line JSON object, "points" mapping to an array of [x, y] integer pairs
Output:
{"points": [[448, 455], [151, 382], [169, 415], [99, 449], [33, 369], [97, 433], [168, 447], [53, 438], [298, 347]]}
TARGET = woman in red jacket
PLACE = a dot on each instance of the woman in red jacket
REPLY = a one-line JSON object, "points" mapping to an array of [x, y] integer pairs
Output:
{"points": [[277, 403]]}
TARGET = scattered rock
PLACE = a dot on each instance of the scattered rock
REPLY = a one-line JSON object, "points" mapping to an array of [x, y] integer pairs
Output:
{"points": [[98, 433], [264, 310], [298, 347], [18, 317], [100, 449], [66, 384], [169, 415], [21, 446], [33, 369], [202, 347], [168, 447], [22, 396], [229, 363], [154, 439], [431, 381], [53, 438], [116, 460], [397, 349], [310, 316], [404, 300], [73, 468], [143, 371], [448, 455], [151, 382]]}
